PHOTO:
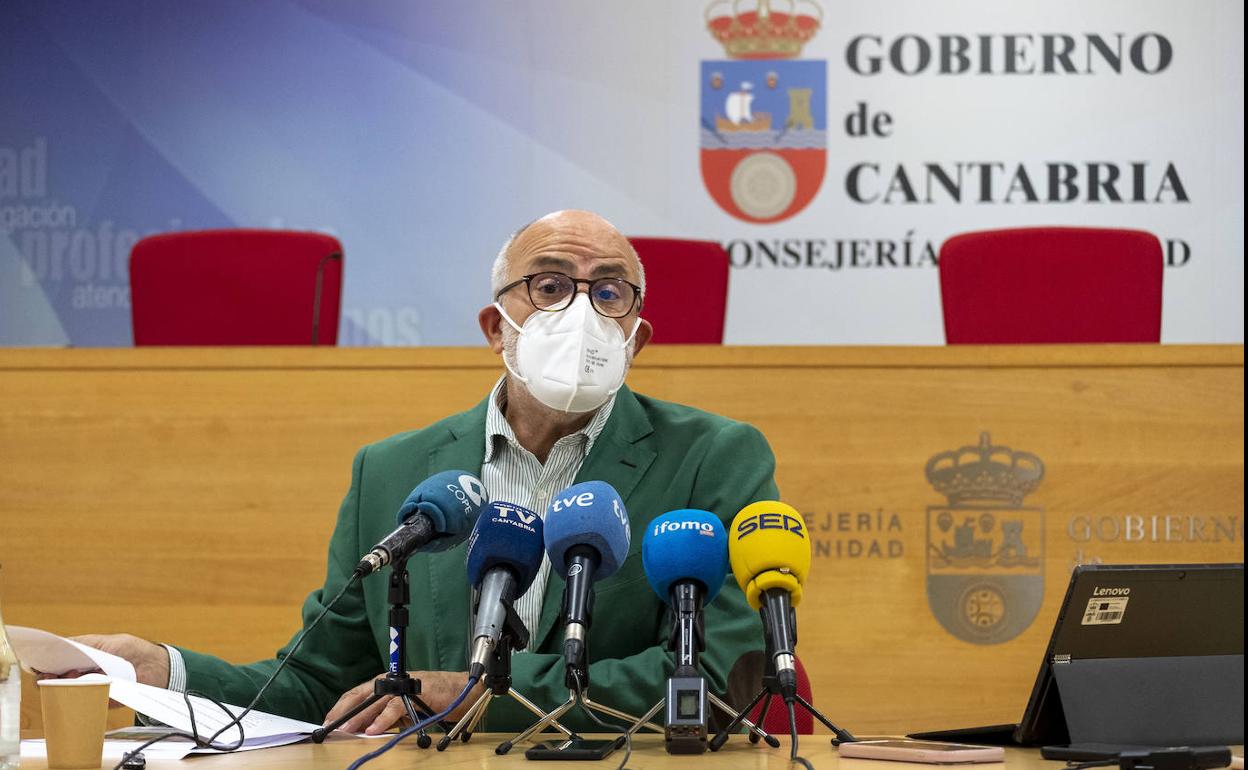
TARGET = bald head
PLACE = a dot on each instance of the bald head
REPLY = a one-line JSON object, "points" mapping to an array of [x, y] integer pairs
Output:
{"points": [[571, 241]]}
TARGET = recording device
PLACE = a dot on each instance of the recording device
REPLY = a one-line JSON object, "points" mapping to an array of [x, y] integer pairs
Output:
{"points": [[770, 556], [505, 553], [435, 516], [587, 538], [685, 555]]}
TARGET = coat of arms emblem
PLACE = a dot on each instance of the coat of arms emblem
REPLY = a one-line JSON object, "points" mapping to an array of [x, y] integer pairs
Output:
{"points": [[985, 549], [763, 111]]}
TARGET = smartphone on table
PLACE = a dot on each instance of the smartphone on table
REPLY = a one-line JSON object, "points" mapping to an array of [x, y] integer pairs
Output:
{"points": [[574, 748], [926, 752]]}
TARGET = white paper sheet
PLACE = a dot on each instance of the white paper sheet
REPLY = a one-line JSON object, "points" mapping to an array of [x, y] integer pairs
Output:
{"points": [[51, 654], [118, 742], [170, 708]]}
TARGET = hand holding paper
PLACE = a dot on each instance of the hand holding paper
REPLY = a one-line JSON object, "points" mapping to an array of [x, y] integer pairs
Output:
{"points": [[46, 653]]}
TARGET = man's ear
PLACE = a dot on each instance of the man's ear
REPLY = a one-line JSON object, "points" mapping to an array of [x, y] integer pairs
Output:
{"points": [[644, 332], [491, 322]]}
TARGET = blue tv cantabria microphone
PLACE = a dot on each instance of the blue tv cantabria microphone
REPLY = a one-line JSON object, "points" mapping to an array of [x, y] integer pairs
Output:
{"points": [[505, 553], [587, 539], [437, 515], [685, 555]]}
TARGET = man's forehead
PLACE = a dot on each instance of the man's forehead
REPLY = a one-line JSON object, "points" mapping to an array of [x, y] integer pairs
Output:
{"points": [[565, 243], [597, 265]]}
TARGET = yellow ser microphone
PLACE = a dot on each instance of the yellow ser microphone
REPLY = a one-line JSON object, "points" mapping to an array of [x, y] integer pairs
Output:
{"points": [[769, 550]]}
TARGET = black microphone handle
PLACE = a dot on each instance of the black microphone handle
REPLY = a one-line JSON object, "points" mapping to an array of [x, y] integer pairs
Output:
{"points": [[403, 542], [582, 561], [398, 545], [686, 600], [777, 612], [578, 603]]}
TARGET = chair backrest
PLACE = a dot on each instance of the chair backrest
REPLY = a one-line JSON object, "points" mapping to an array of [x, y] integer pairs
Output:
{"points": [[777, 718], [236, 287], [686, 289], [1051, 285]]}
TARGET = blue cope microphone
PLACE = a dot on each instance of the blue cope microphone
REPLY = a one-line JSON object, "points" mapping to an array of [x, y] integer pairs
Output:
{"points": [[587, 539], [505, 553], [685, 555], [435, 516]]}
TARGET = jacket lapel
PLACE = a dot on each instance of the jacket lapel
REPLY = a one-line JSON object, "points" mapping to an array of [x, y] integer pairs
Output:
{"points": [[462, 448], [620, 457]]}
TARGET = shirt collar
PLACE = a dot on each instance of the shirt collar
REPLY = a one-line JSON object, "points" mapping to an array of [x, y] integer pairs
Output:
{"points": [[498, 431]]}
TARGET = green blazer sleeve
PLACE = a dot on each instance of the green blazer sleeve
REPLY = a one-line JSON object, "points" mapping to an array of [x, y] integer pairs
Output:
{"points": [[329, 661], [629, 636]]}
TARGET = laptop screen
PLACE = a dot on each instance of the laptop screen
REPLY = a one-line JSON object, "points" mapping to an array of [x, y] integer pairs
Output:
{"points": [[1149, 611]]}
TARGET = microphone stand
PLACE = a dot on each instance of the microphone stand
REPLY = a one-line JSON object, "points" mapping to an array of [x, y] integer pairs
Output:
{"points": [[397, 681], [687, 640], [576, 679], [498, 683], [772, 687]]}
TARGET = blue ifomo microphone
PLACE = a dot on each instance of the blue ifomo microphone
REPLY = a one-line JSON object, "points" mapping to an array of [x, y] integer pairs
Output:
{"points": [[587, 539], [505, 553], [685, 555]]}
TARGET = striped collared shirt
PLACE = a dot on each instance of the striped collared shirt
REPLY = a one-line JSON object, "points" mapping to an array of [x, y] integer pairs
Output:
{"points": [[513, 474]]}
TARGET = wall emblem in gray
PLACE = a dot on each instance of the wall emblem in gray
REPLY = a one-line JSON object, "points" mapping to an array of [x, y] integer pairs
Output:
{"points": [[985, 549]]}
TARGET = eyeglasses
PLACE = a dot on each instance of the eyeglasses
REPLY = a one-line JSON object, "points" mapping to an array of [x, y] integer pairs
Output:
{"points": [[552, 292]]}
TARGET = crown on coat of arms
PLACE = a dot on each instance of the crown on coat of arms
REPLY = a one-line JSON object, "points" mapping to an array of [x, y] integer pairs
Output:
{"points": [[761, 33], [985, 473]]}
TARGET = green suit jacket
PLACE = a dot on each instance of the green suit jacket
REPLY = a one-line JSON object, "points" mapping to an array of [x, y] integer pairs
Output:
{"points": [[659, 456]]}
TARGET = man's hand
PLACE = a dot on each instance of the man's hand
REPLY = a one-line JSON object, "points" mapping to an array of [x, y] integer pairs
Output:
{"points": [[437, 690], [150, 660]]}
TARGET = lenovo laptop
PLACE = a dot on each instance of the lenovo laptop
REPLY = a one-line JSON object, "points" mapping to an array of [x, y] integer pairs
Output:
{"points": [[1149, 654]]}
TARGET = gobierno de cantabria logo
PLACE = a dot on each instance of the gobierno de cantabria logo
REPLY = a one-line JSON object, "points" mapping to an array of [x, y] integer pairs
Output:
{"points": [[763, 110]]}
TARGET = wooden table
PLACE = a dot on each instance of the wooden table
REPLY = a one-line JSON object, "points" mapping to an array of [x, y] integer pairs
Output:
{"points": [[176, 470], [648, 754]]}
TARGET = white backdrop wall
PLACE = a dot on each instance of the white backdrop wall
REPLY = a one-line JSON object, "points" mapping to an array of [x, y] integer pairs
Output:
{"points": [[421, 134]]}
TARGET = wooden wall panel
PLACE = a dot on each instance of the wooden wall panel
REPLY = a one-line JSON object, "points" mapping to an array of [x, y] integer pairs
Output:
{"points": [[188, 495]]}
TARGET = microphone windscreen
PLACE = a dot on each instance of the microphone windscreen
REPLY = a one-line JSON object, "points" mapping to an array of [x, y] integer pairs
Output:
{"points": [[592, 514], [685, 545], [768, 548], [452, 500], [506, 535]]}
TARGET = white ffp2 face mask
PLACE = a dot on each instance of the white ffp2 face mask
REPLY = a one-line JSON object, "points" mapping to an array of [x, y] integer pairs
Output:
{"points": [[572, 360]]}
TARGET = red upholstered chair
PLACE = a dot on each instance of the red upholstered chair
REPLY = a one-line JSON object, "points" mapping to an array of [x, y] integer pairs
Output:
{"points": [[777, 721], [686, 289], [1051, 285], [236, 287]]}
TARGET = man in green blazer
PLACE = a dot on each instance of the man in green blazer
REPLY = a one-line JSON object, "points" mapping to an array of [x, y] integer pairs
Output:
{"points": [[561, 415]]}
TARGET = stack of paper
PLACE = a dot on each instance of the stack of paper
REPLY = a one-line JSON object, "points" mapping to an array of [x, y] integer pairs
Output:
{"points": [[51, 654]]}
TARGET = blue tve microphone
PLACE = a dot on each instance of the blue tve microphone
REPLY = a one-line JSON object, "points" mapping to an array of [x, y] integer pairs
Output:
{"points": [[505, 553], [435, 516], [685, 555], [587, 539]]}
